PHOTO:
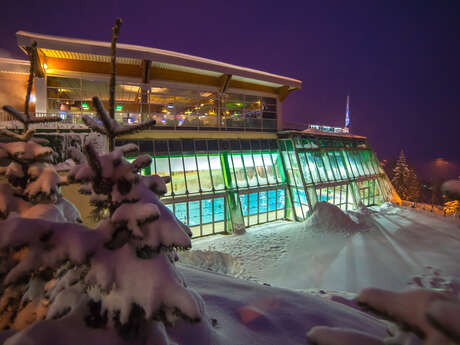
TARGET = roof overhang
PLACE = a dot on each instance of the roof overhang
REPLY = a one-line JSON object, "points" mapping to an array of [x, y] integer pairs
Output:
{"points": [[98, 52]]}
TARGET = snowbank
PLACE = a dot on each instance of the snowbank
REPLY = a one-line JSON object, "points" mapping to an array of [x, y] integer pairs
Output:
{"points": [[395, 248], [329, 217], [211, 260]]}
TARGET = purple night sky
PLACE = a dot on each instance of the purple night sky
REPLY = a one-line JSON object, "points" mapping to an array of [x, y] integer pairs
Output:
{"points": [[400, 60]]}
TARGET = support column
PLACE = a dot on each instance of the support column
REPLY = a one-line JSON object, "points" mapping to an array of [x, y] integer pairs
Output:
{"points": [[312, 197], [355, 193], [144, 106], [233, 199], [353, 185], [41, 96]]}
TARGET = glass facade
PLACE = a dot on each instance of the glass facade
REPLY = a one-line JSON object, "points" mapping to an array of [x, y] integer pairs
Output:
{"points": [[341, 170], [170, 107], [216, 184], [221, 185]]}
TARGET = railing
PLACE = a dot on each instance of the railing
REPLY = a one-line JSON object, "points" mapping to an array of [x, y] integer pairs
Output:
{"points": [[438, 209], [163, 121]]}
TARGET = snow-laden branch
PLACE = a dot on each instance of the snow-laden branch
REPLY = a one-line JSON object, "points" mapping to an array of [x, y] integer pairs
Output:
{"points": [[26, 119], [109, 126], [48, 244]]}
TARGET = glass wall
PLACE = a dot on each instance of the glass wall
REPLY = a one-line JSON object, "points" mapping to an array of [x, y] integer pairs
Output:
{"points": [[205, 173], [329, 165], [263, 207], [370, 192], [170, 107], [217, 183]]}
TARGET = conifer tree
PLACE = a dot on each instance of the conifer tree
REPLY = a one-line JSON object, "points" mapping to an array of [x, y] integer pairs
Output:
{"points": [[414, 188], [113, 285], [401, 177]]}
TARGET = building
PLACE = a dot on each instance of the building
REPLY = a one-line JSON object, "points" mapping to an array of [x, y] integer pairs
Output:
{"points": [[219, 131]]}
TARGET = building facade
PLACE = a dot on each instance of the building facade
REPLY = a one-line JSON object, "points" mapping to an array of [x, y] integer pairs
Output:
{"points": [[219, 133]]}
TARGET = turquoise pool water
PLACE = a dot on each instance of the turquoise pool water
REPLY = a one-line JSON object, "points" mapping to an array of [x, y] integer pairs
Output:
{"points": [[251, 203]]}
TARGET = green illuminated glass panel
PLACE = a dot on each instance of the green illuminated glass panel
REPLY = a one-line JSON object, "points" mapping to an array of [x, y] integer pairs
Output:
{"points": [[216, 172], [341, 164], [278, 167], [320, 165], [305, 167], [359, 164], [312, 166], [205, 173], [365, 162], [250, 170], [334, 166], [287, 163], [353, 167], [260, 169], [237, 165], [327, 164], [162, 169], [270, 168], [191, 174], [177, 175]]}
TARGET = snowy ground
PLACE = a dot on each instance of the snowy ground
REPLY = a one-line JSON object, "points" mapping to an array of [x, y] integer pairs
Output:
{"points": [[386, 247]]}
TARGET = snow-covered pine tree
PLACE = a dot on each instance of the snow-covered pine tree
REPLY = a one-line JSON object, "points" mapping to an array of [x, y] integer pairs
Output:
{"points": [[400, 176], [430, 315], [113, 285], [33, 192], [414, 186]]}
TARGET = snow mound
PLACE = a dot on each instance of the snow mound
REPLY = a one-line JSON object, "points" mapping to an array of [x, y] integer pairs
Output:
{"points": [[211, 261], [328, 217], [451, 187]]}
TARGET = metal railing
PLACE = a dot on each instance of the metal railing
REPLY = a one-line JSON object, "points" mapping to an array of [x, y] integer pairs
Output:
{"points": [[163, 121]]}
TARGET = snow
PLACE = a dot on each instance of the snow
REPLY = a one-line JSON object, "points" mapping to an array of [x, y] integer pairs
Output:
{"points": [[389, 247], [134, 215], [328, 217], [408, 307], [26, 151], [445, 316], [49, 243], [118, 272], [452, 187], [321, 335]]}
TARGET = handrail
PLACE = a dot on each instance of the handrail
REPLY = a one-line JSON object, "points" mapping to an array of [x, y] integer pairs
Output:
{"points": [[163, 121]]}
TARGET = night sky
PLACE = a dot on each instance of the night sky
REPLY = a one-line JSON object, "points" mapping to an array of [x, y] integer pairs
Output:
{"points": [[399, 59]]}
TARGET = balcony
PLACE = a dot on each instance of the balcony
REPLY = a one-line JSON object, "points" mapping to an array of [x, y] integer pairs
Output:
{"points": [[73, 120]]}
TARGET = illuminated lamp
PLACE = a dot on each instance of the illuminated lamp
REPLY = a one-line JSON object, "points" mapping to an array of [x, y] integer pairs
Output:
{"points": [[32, 98], [119, 107], [85, 106]]}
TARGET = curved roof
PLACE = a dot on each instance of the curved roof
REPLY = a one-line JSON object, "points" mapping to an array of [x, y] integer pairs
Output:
{"points": [[80, 49]]}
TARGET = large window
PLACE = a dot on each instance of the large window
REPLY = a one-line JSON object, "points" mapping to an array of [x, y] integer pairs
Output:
{"points": [[264, 206], [204, 217], [170, 107]]}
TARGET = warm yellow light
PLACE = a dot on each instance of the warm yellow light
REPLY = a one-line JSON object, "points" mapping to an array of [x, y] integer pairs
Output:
{"points": [[158, 89], [45, 67], [205, 94]]}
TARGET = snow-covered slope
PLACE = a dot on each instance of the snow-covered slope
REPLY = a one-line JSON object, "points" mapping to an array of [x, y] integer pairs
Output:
{"points": [[252, 314], [387, 247]]}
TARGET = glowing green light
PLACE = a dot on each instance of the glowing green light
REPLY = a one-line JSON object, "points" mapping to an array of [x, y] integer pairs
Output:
{"points": [[119, 107], [84, 106]]}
